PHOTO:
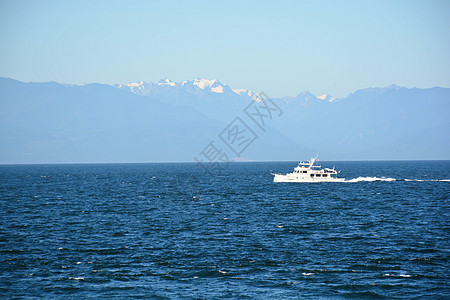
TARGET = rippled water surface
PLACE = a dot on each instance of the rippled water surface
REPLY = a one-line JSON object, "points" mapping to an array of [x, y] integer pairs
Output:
{"points": [[172, 231]]}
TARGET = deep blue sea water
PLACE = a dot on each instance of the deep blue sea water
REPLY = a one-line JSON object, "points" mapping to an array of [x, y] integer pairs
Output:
{"points": [[171, 231]]}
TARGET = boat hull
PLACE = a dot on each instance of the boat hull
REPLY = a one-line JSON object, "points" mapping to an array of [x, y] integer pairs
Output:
{"points": [[297, 178]]}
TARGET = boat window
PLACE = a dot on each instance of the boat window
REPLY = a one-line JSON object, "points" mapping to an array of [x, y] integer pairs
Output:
{"points": [[317, 175], [325, 175], [305, 171], [312, 175]]}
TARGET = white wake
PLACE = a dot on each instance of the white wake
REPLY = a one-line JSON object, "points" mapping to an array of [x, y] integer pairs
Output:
{"points": [[361, 179], [371, 179]]}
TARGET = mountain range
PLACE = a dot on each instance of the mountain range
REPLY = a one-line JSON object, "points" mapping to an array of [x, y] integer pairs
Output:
{"points": [[175, 121]]}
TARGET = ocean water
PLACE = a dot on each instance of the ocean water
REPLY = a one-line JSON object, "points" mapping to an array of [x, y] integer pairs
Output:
{"points": [[168, 231]]}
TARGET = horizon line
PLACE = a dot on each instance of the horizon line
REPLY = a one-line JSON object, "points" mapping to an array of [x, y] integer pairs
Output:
{"points": [[193, 162]]}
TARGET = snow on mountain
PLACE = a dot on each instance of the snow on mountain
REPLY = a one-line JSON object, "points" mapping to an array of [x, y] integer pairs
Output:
{"points": [[139, 88], [213, 85], [208, 96], [197, 85], [244, 92], [166, 81], [203, 83], [204, 88], [326, 97]]}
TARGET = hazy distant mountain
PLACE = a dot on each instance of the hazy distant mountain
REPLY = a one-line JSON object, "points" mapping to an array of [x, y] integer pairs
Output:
{"points": [[375, 123], [174, 121], [51, 122]]}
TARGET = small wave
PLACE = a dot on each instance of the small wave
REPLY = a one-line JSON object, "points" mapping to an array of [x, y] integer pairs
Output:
{"points": [[370, 179], [398, 275]]}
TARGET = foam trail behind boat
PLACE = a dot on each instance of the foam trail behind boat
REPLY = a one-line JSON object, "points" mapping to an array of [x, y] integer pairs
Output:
{"points": [[372, 179], [361, 179]]}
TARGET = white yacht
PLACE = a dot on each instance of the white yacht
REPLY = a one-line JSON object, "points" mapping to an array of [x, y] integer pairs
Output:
{"points": [[306, 171]]}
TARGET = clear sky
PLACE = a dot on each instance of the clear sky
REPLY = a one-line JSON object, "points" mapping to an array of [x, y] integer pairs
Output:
{"points": [[281, 47]]}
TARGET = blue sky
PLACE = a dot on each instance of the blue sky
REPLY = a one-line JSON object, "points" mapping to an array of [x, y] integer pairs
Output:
{"points": [[281, 47]]}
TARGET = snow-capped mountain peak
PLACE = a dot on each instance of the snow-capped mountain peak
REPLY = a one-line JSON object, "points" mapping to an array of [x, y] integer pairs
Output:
{"points": [[166, 81], [139, 87], [202, 82], [214, 85], [199, 85]]}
